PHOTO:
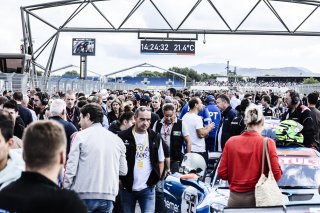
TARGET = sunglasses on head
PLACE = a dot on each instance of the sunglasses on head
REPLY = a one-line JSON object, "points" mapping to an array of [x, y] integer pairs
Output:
{"points": [[142, 109]]}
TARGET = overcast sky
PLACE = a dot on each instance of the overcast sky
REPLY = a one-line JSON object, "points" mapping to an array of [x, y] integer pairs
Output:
{"points": [[118, 51]]}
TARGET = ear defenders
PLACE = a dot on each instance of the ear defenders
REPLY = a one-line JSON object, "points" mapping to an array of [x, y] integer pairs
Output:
{"points": [[44, 98], [295, 98]]}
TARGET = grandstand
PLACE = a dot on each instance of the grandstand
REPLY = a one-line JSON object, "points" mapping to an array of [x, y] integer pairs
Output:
{"points": [[153, 81]]}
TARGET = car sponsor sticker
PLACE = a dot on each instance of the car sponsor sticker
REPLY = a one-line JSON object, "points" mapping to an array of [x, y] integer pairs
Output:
{"points": [[299, 161]]}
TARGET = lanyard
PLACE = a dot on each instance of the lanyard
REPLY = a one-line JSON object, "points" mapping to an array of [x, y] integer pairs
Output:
{"points": [[145, 141], [71, 116], [167, 130]]}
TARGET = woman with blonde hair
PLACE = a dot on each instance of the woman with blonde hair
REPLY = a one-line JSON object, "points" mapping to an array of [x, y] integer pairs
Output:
{"points": [[242, 157]]}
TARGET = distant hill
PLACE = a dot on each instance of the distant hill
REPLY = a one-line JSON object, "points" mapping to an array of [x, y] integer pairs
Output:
{"points": [[220, 69]]}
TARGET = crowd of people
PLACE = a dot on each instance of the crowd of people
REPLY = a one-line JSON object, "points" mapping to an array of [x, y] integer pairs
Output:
{"points": [[103, 152], [233, 84]]}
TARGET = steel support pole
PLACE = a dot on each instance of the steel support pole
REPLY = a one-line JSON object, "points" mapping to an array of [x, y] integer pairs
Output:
{"points": [[49, 63], [32, 71], [23, 29]]}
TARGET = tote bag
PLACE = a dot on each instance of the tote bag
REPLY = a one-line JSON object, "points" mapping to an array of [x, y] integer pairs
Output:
{"points": [[267, 192]]}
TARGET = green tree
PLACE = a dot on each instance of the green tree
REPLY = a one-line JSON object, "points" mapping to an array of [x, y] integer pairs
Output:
{"points": [[72, 73], [190, 73], [310, 81], [149, 74]]}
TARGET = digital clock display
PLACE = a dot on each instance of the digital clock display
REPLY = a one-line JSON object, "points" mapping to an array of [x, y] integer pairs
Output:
{"points": [[168, 47]]}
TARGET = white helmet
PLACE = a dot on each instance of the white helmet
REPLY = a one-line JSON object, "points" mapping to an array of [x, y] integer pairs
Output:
{"points": [[193, 163]]}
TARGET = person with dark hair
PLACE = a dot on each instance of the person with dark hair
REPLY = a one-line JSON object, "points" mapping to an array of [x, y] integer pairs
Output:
{"points": [[215, 115], [267, 110], [145, 158], [314, 112], [146, 101], [204, 113], [100, 153], [41, 101], [72, 111], [228, 114], [7, 94], [197, 132], [125, 121], [11, 163], [116, 110], [44, 152], [81, 103], [156, 106], [301, 114], [3, 99], [237, 124], [109, 101], [12, 108], [171, 92], [240, 163], [174, 133], [24, 113], [249, 97]]}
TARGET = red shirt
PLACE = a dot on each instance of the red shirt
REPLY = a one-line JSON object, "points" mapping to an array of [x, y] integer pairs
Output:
{"points": [[241, 161]]}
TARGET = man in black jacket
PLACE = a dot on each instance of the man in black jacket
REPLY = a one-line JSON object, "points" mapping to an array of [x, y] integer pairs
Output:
{"points": [[145, 157], [58, 113], [301, 114], [237, 124], [36, 190], [12, 108], [24, 113], [227, 115]]}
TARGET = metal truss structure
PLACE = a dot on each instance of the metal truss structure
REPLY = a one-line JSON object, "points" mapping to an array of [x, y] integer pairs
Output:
{"points": [[28, 11]]}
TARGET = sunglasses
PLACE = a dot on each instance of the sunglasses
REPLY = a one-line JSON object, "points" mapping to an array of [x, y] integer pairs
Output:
{"points": [[142, 109]]}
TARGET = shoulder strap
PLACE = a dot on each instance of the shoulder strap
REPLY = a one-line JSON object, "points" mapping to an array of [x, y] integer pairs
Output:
{"points": [[263, 156], [267, 152]]}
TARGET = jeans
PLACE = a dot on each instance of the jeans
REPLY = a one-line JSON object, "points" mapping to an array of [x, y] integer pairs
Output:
{"points": [[98, 205], [145, 197]]}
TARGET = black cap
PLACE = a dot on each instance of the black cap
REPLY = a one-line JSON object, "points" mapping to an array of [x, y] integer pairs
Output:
{"points": [[145, 100]]}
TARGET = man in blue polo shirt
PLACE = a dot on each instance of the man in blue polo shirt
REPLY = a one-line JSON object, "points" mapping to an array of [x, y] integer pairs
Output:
{"points": [[215, 115]]}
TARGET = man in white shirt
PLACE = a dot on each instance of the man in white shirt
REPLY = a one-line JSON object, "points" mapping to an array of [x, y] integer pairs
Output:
{"points": [[145, 159], [197, 132]]}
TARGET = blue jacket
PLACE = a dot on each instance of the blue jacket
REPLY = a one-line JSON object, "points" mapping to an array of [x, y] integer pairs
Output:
{"points": [[204, 114], [215, 115]]}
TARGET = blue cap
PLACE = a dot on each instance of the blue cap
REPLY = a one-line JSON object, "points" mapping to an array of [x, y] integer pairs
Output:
{"points": [[210, 98]]}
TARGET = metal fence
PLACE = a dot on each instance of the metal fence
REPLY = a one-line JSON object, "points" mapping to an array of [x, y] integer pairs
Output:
{"points": [[21, 82]]}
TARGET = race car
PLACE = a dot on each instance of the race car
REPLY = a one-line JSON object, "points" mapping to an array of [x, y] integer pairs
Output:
{"points": [[299, 185]]}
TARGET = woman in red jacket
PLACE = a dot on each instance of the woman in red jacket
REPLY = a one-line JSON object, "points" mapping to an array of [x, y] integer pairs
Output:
{"points": [[241, 160]]}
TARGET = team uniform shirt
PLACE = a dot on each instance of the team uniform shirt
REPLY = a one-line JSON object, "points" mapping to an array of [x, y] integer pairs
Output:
{"points": [[194, 122], [215, 115], [142, 166], [204, 114], [268, 112]]}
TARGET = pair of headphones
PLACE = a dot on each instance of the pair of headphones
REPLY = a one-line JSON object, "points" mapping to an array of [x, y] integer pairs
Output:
{"points": [[44, 98], [295, 98]]}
